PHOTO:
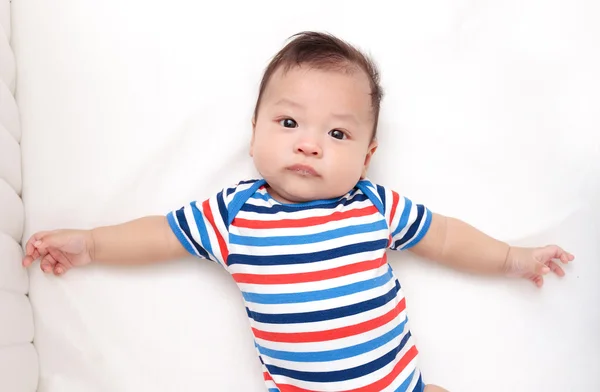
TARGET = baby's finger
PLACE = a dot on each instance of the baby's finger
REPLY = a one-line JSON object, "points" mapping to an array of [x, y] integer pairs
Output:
{"points": [[561, 254], [29, 248], [31, 253], [538, 280], [60, 258], [29, 259], [40, 249], [566, 257], [48, 263], [554, 267], [59, 269], [540, 268]]}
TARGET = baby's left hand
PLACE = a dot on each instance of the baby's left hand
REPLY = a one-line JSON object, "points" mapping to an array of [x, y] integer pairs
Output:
{"points": [[534, 263]]}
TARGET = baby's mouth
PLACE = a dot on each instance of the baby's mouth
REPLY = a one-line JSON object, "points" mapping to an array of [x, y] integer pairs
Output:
{"points": [[303, 170]]}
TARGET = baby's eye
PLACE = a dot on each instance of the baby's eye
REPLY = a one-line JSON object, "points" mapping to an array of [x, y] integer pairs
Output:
{"points": [[288, 123], [336, 133]]}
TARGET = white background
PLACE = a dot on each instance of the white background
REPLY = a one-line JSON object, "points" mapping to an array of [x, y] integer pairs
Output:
{"points": [[491, 115]]}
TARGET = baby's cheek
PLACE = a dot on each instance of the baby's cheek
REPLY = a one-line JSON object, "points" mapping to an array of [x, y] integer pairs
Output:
{"points": [[346, 175], [268, 160]]}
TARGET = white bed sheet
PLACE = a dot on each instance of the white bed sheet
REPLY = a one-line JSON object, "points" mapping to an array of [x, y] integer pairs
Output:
{"points": [[490, 115]]}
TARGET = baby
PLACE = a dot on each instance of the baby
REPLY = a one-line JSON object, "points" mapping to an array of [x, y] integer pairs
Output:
{"points": [[306, 242]]}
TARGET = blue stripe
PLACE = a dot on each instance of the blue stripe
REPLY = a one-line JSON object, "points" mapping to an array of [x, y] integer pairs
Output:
{"points": [[423, 230], [319, 295], [273, 390], [338, 354], [341, 375], [404, 386], [420, 387], [222, 210], [404, 217], [230, 190], [303, 258], [199, 220], [250, 181], [178, 233], [321, 315], [302, 206], [381, 191], [412, 230], [261, 196], [365, 186], [308, 238], [185, 239]]}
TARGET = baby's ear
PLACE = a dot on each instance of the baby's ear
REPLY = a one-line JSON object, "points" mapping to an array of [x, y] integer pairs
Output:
{"points": [[252, 137], [370, 152]]}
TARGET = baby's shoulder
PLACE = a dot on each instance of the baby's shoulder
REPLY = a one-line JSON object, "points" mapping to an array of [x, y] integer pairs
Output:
{"points": [[376, 193], [242, 187], [233, 197]]}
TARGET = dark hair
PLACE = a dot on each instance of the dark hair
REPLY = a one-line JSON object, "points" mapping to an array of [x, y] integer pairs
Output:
{"points": [[324, 51]]}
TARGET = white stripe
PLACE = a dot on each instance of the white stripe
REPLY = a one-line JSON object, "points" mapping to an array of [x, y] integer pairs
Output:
{"points": [[278, 250], [389, 204], [410, 367], [313, 285], [412, 216], [314, 306], [342, 364], [295, 231], [191, 222], [418, 232], [185, 236], [400, 207]]}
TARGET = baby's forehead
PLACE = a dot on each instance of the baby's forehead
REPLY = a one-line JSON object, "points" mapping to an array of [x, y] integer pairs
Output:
{"points": [[349, 83], [346, 69]]}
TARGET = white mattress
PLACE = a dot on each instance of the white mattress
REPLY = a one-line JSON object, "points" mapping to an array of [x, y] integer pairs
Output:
{"points": [[135, 107], [18, 359]]}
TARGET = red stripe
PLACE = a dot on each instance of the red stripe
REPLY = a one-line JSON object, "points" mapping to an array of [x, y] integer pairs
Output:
{"points": [[209, 216], [376, 386], [332, 334], [310, 276], [313, 221], [395, 198], [267, 376]]}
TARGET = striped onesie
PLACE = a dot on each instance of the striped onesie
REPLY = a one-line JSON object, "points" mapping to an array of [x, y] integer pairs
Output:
{"points": [[325, 308]]}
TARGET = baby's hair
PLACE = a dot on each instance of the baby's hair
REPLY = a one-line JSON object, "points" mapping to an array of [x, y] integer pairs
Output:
{"points": [[327, 52]]}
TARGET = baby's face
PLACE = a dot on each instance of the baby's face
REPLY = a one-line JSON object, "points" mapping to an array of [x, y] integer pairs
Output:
{"points": [[312, 138]]}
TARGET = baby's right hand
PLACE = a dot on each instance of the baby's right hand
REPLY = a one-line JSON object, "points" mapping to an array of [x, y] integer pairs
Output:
{"points": [[59, 250]]}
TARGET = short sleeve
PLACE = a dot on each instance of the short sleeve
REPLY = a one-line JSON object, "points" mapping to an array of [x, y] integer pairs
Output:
{"points": [[202, 227], [408, 222]]}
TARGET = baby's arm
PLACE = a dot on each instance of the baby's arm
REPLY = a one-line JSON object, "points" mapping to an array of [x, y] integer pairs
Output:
{"points": [[459, 245], [145, 240]]}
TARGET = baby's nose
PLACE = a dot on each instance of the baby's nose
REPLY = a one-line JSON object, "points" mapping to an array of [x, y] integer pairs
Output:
{"points": [[308, 148]]}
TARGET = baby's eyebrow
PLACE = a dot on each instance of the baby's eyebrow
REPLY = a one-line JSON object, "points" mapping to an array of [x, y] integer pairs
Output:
{"points": [[339, 116], [345, 117], [289, 102]]}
